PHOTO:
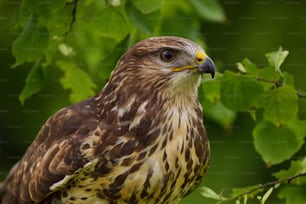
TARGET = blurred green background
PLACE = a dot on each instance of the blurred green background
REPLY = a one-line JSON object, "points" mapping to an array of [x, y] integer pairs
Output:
{"points": [[251, 29]]}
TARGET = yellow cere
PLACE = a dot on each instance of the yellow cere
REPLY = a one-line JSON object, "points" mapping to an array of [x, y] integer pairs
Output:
{"points": [[200, 57]]}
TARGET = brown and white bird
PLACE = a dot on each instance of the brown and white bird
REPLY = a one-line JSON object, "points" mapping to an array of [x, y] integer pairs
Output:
{"points": [[141, 139]]}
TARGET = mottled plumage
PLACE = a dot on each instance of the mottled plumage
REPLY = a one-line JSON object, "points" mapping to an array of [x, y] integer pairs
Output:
{"points": [[141, 139]]}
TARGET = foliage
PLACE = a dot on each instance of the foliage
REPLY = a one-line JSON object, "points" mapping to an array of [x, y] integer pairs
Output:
{"points": [[84, 39], [76, 36], [270, 97]]}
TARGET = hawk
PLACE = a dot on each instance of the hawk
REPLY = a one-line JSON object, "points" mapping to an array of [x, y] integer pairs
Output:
{"points": [[141, 139]]}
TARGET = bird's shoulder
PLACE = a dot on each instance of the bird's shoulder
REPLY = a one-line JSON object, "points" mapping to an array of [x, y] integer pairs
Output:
{"points": [[63, 146]]}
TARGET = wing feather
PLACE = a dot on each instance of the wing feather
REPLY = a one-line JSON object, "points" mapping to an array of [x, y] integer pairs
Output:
{"points": [[54, 154]]}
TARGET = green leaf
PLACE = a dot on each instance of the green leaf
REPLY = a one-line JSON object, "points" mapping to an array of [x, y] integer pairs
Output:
{"points": [[110, 23], [209, 193], [145, 23], [293, 194], [267, 73], [280, 105], [66, 50], [247, 67], [148, 6], [59, 22], [116, 2], [30, 44], [209, 95], [277, 58], [211, 88], [77, 81], [239, 92], [266, 195], [275, 144], [239, 191], [209, 10], [296, 167], [298, 126], [218, 112], [110, 60], [42, 8], [34, 83], [288, 79], [241, 68], [182, 12]]}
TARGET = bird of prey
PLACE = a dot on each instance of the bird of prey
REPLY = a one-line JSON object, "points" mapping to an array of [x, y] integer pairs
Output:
{"points": [[141, 139]]}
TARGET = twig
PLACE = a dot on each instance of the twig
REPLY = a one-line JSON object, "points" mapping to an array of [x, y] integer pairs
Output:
{"points": [[74, 10], [270, 184], [279, 84], [301, 95]]}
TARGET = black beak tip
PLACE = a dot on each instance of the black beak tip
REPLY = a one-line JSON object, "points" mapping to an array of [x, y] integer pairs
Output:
{"points": [[207, 66], [212, 73]]}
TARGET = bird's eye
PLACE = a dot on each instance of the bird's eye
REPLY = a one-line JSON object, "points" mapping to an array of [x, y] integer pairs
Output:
{"points": [[167, 55]]}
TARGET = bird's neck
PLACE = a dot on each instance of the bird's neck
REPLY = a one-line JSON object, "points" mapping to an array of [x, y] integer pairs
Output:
{"points": [[140, 110], [119, 105]]}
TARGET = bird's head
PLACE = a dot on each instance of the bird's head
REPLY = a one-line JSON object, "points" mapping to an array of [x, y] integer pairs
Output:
{"points": [[164, 62]]}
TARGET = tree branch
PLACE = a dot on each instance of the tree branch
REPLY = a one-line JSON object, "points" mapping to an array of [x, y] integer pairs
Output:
{"points": [[301, 95], [279, 84], [73, 14], [270, 184]]}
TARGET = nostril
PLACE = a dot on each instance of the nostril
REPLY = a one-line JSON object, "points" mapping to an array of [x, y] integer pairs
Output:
{"points": [[199, 60], [200, 57]]}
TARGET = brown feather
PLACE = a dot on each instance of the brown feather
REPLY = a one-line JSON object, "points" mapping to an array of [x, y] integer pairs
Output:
{"points": [[140, 139]]}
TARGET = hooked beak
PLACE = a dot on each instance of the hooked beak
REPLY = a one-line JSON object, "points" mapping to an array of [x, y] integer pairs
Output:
{"points": [[207, 66], [204, 64]]}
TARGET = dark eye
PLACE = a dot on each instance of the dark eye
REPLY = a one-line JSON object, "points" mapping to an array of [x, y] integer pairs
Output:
{"points": [[167, 55]]}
